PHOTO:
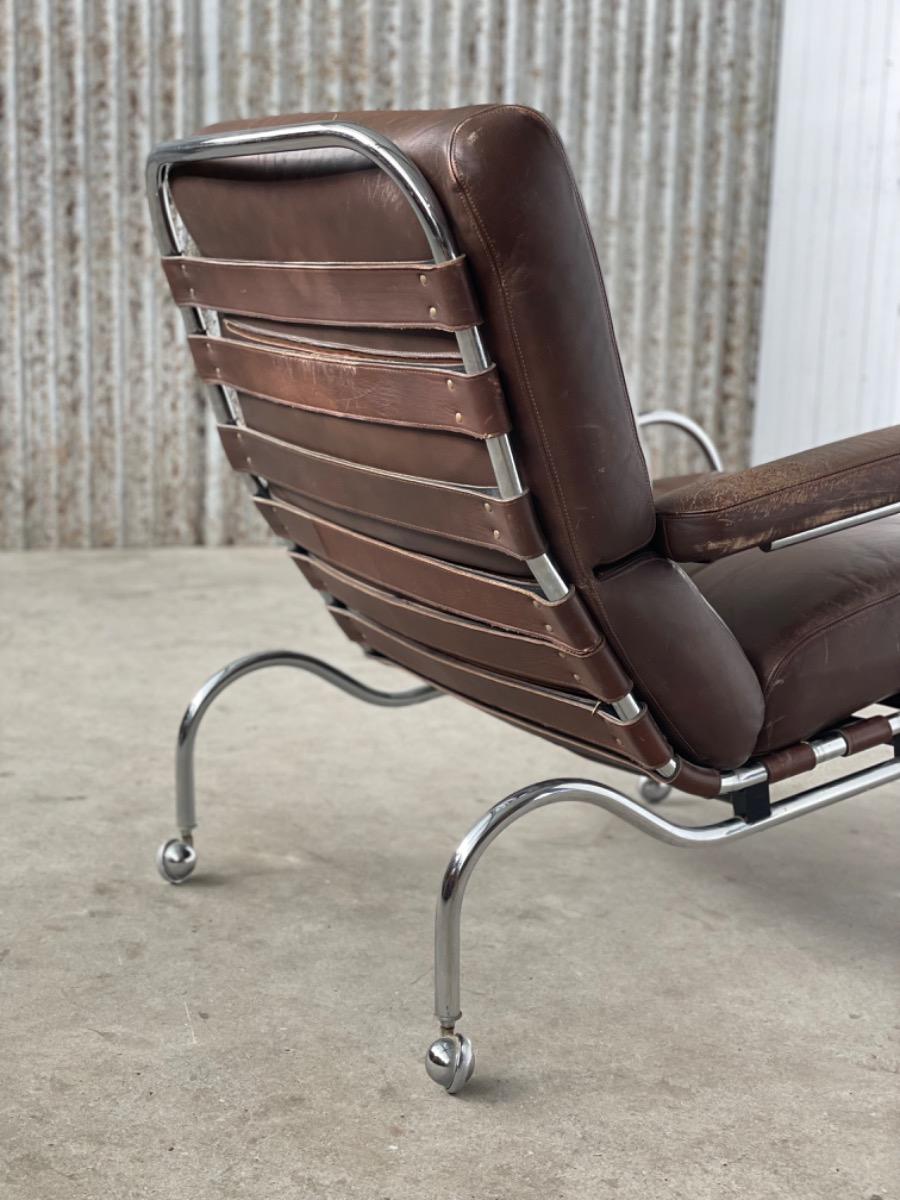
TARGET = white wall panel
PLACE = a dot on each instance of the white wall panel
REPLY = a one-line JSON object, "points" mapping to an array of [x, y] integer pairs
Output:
{"points": [[831, 326], [665, 106]]}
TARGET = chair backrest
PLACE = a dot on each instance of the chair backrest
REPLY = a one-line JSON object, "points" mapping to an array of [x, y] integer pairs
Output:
{"points": [[414, 360]]}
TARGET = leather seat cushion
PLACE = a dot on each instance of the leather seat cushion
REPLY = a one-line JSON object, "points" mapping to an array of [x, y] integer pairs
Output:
{"points": [[819, 622]]}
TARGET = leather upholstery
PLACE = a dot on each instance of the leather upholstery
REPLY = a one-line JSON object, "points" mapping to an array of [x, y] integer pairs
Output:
{"points": [[384, 393], [403, 500], [686, 662], [817, 621], [508, 604], [723, 513], [405, 295], [372, 446], [533, 262]]}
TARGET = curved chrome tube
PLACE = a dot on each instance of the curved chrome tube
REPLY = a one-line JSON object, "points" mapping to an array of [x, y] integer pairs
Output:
{"points": [[539, 795], [419, 194], [185, 808], [667, 416]]}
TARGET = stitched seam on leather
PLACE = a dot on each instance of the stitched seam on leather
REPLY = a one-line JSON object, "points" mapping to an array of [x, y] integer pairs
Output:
{"points": [[257, 335], [607, 317], [215, 347], [843, 471], [816, 633], [325, 322], [488, 244]]}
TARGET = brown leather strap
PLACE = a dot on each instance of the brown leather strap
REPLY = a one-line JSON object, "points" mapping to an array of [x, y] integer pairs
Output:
{"points": [[456, 589], [790, 761], [799, 758], [574, 745], [638, 739], [597, 674], [405, 295], [426, 398], [865, 734], [695, 780], [506, 525]]}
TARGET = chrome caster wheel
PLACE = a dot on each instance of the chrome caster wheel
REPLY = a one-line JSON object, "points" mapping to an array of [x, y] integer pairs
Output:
{"points": [[652, 791], [175, 860], [450, 1062]]}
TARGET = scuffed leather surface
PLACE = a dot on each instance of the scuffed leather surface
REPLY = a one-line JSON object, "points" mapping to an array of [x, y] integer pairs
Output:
{"points": [[361, 390], [818, 621], [419, 504], [503, 178], [403, 295], [537, 659], [638, 739], [440, 456], [686, 663], [722, 514]]}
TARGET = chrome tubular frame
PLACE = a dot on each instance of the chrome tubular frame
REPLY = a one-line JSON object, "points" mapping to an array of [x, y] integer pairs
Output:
{"points": [[185, 808], [863, 518], [450, 1059], [825, 748], [176, 858], [667, 416], [417, 191]]}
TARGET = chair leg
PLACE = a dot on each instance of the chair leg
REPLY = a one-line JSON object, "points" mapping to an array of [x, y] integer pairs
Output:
{"points": [[176, 858], [450, 1060]]}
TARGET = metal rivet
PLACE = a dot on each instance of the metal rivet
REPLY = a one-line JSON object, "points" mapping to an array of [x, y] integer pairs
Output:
{"points": [[459, 418], [432, 312], [549, 628], [487, 507], [559, 654], [450, 385], [423, 279], [247, 461], [496, 533], [576, 677]]}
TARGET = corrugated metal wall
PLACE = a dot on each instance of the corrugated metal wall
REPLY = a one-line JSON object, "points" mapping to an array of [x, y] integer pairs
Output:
{"points": [[665, 105]]}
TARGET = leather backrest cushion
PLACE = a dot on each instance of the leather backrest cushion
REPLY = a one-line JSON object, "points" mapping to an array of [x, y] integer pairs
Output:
{"points": [[686, 662], [504, 180]]}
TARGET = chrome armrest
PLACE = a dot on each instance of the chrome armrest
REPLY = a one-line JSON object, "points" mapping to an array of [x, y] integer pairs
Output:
{"points": [[666, 416]]}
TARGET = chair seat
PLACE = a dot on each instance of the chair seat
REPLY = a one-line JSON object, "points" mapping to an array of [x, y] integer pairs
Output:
{"points": [[819, 622]]}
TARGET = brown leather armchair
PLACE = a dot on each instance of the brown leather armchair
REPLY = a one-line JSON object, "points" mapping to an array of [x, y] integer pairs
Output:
{"points": [[405, 332]]}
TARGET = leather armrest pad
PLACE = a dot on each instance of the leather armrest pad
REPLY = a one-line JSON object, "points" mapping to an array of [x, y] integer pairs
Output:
{"points": [[721, 514]]}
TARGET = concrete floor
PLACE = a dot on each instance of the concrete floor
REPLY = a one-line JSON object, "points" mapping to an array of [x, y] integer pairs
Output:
{"points": [[649, 1022]]}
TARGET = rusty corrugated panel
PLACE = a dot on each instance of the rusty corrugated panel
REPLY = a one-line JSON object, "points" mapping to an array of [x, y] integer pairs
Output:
{"points": [[665, 107]]}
